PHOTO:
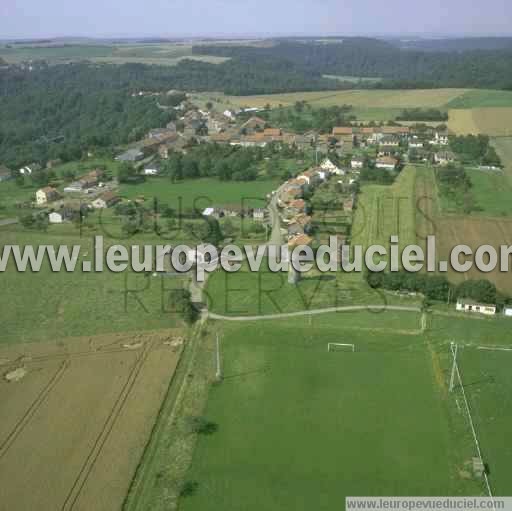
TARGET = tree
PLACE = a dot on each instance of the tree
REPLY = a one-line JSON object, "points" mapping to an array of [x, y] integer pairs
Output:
{"points": [[126, 172], [181, 299], [478, 290]]}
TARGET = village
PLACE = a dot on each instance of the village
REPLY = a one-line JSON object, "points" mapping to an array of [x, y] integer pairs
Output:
{"points": [[340, 156]]}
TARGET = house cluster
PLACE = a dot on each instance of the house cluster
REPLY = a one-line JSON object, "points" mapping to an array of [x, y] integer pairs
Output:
{"points": [[86, 183], [293, 207], [256, 214]]}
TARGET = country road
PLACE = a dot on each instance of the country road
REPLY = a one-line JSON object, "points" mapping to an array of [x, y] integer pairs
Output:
{"points": [[347, 308]]}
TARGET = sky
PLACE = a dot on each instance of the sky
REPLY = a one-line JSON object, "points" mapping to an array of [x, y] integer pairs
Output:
{"points": [[180, 18]]}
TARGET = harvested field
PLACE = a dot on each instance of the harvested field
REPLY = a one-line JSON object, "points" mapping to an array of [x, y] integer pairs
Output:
{"points": [[495, 122], [74, 427], [357, 98], [452, 230]]}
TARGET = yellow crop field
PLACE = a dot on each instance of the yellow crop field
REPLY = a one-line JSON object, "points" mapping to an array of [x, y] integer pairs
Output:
{"points": [[423, 98], [490, 121]]}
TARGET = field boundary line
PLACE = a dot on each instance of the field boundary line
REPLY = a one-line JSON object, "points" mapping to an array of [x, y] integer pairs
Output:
{"points": [[139, 483], [83, 475], [473, 430], [32, 409]]}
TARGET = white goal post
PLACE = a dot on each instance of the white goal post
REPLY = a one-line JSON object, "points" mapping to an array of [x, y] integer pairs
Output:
{"points": [[337, 346]]}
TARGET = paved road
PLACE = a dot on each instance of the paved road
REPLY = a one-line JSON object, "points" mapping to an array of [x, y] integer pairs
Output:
{"points": [[8, 221], [348, 308]]}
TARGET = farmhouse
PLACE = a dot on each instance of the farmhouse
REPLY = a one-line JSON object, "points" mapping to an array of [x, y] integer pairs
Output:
{"points": [[440, 138], [107, 200], [480, 308], [45, 195], [357, 163], [131, 155], [74, 187], [252, 125], [331, 168], [444, 157], [386, 162]]}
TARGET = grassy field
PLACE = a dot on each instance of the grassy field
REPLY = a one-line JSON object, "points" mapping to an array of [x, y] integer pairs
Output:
{"points": [[481, 98], [46, 305], [203, 193], [302, 428], [384, 211], [247, 293], [487, 381]]}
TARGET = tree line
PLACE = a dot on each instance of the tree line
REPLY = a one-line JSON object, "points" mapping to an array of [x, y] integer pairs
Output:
{"points": [[396, 67]]}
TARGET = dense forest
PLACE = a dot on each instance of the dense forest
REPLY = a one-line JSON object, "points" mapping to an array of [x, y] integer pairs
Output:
{"points": [[62, 111], [397, 67]]}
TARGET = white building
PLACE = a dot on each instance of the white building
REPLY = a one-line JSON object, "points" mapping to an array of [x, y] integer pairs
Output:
{"points": [[55, 218], [479, 308], [330, 167], [356, 163], [386, 162]]}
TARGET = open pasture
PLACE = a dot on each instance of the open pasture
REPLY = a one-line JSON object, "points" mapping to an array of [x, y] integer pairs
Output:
{"points": [[384, 211], [75, 424], [202, 193]]}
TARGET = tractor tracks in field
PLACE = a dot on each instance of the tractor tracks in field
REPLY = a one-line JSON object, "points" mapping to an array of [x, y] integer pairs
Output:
{"points": [[32, 409], [88, 465]]}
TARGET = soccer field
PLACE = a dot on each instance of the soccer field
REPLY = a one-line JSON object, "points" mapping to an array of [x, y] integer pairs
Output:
{"points": [[487, 379], [301, 428]]}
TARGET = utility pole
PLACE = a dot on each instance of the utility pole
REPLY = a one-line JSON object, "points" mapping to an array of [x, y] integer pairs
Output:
{"points": [[454, 366], [218, 373]]}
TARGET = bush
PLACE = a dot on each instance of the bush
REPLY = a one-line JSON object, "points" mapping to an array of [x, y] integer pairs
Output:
{"points": [[200, 426], [188, 488]]}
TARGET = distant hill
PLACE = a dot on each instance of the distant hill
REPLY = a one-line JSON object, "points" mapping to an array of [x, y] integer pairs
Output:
{"points": [[474, 67], [457, 44]]}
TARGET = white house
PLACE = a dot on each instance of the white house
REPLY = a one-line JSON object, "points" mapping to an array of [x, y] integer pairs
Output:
{"points": [[479, 308], [416, 143], [357, 163], [55, 218], [386, 162], [330, 167], [229, 114], [151, 170], [444, 157], [440, 139], [507, 311]]}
